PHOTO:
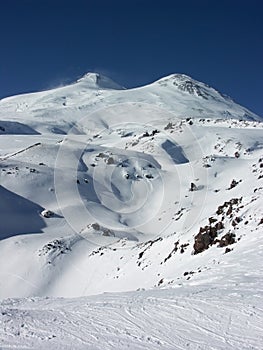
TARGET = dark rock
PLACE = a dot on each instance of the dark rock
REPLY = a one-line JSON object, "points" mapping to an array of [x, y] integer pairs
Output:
{"points": [[227, 239], [202, 242], [233, 184], [160, 282], [193, 187], [212, 220], [140, 255], [110, 161], [236, 221], [47, 213], [168, 126], [95, 226], [183, 247], [219, 225], [172, 252], [101, 155], [228, 250], [146, 134], [229, 211]]}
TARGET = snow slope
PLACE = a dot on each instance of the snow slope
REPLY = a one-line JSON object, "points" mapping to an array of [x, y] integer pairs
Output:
{"points": [[153, 195]]}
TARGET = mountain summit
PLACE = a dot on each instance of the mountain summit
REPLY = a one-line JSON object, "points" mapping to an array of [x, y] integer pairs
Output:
{"points": [[193, 87], [97, 80]]}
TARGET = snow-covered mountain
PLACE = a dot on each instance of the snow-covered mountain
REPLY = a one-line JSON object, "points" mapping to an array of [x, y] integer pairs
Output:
{"points": [[154, 192]]}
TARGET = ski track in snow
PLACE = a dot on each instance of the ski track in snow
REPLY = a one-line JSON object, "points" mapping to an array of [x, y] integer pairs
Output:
{"points": [[194, 318]]}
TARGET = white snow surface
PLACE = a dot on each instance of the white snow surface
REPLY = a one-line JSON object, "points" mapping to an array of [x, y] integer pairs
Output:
{"points": [[130, 218]]}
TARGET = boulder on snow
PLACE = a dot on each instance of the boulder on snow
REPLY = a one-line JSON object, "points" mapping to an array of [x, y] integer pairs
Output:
{"points": [[47, 213]]}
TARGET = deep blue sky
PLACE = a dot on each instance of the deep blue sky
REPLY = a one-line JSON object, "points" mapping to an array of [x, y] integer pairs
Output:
{"points": [[45, 43]]}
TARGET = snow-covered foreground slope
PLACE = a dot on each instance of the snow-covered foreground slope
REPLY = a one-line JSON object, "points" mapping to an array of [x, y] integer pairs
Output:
{"points": [[210, 317], [219, 309], [153, 195]]}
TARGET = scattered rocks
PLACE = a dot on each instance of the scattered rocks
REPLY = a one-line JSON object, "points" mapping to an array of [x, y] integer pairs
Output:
{"points": [[229, 204], [172, 252], [168, 126], [56, 247], [147, 134], [186, 273], [148, 246], [104, 231], [207, 235]]}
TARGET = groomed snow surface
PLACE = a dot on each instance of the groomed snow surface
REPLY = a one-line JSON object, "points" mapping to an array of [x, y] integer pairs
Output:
{"points": [[130, 219]]}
